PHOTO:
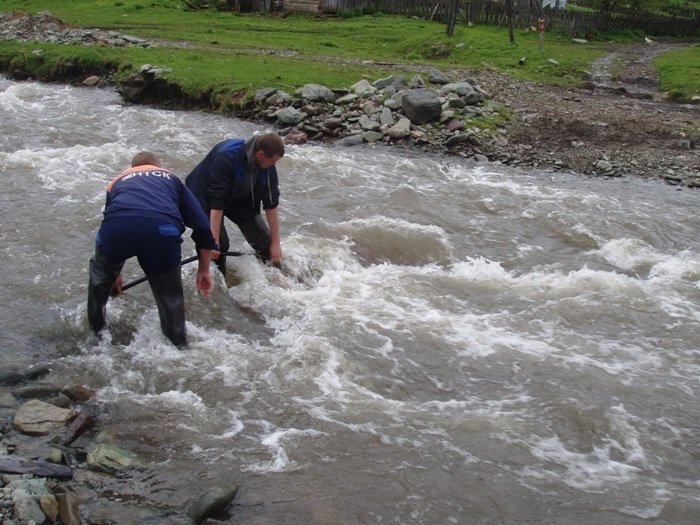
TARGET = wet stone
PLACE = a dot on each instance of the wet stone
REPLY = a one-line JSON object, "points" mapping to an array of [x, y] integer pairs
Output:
{"points": [[36, 391], [109, 458], [61, 400], [7, 400], [37, 417], [10, 377], [211, 503], [18, 465], [68, 509]]}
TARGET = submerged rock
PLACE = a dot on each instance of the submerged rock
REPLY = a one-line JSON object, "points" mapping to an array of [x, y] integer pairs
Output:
{"points": [[110, 458], [211, 503], [82, 423], [36, 391], [68, 509], [11, 376], [19, 465]]}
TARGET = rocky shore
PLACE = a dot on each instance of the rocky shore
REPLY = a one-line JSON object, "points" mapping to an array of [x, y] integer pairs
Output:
{"points": [[52, 452], [607, 128]]}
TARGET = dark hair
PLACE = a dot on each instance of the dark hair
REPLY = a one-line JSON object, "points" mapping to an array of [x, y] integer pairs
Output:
{"points": [[145, 157], [270, 144]]}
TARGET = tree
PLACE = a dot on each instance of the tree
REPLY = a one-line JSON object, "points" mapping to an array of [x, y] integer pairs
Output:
{"points": [[452, 10], [509, 18]]}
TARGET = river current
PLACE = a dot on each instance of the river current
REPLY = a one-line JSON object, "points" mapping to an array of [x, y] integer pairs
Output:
{"points": [[446, 342]]}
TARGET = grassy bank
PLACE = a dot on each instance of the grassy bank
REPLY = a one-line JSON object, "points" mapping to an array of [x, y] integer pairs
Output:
{"points": [[199, 73], [680, 72], [216, 52]]}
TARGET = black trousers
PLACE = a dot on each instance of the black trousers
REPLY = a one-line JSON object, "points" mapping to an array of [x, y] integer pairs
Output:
{"points": [[256, 233], [166, 288]]}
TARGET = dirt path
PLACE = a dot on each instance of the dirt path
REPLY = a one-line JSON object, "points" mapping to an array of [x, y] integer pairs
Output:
{"points": [[619, 125], [628, 68]]}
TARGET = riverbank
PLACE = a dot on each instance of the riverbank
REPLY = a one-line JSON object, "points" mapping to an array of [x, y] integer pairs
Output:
{"points": [[617, 125]]}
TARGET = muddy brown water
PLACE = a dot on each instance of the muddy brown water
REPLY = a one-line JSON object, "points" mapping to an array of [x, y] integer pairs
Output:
{"points": [[447, 342]]}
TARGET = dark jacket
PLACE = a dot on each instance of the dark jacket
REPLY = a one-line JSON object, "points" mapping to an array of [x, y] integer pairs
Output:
{"points": [[228, 179]]}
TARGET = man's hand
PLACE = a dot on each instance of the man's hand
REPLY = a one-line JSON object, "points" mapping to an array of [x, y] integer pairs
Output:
{"points": [[275, 254], [204, 283], [275, 245], [117, 286], [203, 279]]}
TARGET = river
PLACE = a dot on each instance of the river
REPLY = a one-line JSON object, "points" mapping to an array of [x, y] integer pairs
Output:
{"points": [[446, 342]]}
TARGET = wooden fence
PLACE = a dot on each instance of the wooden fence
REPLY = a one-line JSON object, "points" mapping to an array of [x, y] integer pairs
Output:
{"points": [[493, 13]]}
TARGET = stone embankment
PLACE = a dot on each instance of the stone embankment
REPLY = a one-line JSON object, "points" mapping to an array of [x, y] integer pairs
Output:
{"points": [[439, 115], [479, 115]]}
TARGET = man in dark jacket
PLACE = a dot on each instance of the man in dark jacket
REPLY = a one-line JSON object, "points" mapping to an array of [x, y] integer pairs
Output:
{"points": [[234, 180], [145, 214]]}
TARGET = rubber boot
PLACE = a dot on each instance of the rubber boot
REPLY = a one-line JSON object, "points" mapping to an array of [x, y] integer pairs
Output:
{"points": [[168, 293], [103, 274], [257, 234]]}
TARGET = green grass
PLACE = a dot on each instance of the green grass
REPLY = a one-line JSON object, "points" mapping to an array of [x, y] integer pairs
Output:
{"points": [[374, 38], [227, 51], [680, 72], [196, 71]]}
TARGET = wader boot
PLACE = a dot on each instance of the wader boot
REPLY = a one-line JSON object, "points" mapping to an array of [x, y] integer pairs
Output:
{"points": [[103, 275], [257, 234], [168, 293]]}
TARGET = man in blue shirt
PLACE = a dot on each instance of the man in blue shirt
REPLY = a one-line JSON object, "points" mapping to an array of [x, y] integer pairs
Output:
{"points": [[234, 180], [146, 212]]}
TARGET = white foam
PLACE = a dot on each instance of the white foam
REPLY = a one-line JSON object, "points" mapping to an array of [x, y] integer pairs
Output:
{"points": [[583, 471], [236, 428], [280, 461], [630, 254], [77, 170], [23, 98]]}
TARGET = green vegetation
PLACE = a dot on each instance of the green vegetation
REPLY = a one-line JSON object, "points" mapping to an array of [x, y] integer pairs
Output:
{"points": [[684, 8], [213, 77], [488, 126], [210, 53], [680, 72], [681, 8]]}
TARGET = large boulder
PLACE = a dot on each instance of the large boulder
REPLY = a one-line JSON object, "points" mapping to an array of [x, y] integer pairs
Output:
{"points": [[421, 105]]}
